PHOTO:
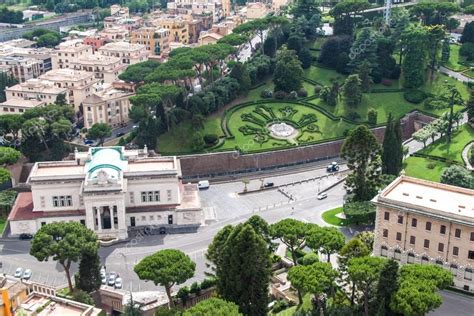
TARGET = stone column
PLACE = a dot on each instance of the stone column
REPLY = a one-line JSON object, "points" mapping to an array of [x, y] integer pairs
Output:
{"points": [[122, 225], [99, 219], [90, 215]]}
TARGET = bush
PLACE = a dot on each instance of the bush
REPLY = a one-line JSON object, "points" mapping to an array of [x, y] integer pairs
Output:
{"points": [[309, 259], [317, 89], [280, 95], [415, 96], [208, 283], [372, 116], [195, 288], [396, 72], [359, 212], [183, 294], [353, 116], [279, 306], [302, 93], [266, 93], [82, 297], [428, 104], [467, 50], [293, 95], [431, 165], [211, 139]]}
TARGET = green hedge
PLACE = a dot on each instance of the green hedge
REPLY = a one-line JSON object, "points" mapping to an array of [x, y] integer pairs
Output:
{"points": [[359, 212]]}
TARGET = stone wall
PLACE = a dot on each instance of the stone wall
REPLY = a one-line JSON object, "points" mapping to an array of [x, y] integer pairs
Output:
{"points": [[231, 163]]}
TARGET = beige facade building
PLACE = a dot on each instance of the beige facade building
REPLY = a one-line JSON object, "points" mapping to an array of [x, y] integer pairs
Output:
{"points": [[177, 26], [21, 68], [30, 94], [155, 40], [77, 82], [110, 190], [114, 34], [128, 53], [66, 52], [425, 222], [256, 10], [106, 105], [105, 68]]}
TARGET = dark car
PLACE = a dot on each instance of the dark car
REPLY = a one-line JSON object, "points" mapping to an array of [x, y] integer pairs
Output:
{"points": [[120, 134], [162, 230], [268, 185], [88, 141], [26, 236]]}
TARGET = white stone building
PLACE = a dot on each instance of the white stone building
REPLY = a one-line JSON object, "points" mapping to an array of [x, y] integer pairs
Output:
{"points": [[108, 189]]}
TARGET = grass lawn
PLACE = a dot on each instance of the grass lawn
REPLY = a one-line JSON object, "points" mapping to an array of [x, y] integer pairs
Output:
{"points": [[331, 218], [323, 76], [453, 150], [304, 309], [422, 168], [454, 59], [3, 222], [438, 83]]}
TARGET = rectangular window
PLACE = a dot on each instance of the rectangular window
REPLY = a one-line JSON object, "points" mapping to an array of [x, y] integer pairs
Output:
{"points": [[442, 230], [455, 251], [157, 196], [399, 236], [457, 233], [412, 240], [426, 243], [470, 255], [472, 236], [83, 222], [385, 233], [386, 216], [440, 247], [69, 200], [150, 196], [428, 226], [414, 222], [62, 200], [55, 201], [400, 219], [143, 196], [168, 192]]}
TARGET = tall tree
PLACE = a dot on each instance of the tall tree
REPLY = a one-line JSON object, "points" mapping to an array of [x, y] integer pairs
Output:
{"points": [[327, 240], [364, 49], [166, 268], [63, 242], [88, 278], [387, 285], [458, 176], [243, 270], [317, 278], [292, 233], [240, 73], [436, 34], [470, 108], [365, 78], [414, 40], [362, 153], [213, 306], [365, 272], [392, 151], [99, 131], [9, 156], [288, 74], [306, 8], [352, 91]]}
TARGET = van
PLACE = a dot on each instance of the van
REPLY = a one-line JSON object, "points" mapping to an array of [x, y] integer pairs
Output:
{"points": [[204, 184]]}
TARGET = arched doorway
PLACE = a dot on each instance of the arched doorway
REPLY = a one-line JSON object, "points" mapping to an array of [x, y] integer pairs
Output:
{"points": [[106, 218]]}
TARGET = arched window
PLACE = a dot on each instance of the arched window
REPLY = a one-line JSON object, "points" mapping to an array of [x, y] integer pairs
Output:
{"points": [[397, 254], [383, 251], [425, 260], [454, 268], [439, 262], [411, 258], [468, 274]]}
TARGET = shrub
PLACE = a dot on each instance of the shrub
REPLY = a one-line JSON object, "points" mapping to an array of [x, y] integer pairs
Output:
{"points": [[211, 139], [280, 95], [208, 283], [82, 297], [353, 116], [302, 93], [309, 259], [431, 165], [396, 72], [386, 82], [359, 212], [372, 116], [266, 93], [317, 89], [293, 95], [195, 288], [467, 50], [428, 104], [415, 96], [183, 294]]}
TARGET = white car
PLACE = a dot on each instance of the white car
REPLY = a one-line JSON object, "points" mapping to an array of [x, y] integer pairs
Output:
{"points": [[27, 274], [18, 272], [322, 196], [102, 271], [204, 184], [118, 283], [112, 277], [103, 279]]}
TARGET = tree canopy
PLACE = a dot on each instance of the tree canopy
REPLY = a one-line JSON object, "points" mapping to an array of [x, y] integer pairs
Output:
{"points": [[213, 306]]}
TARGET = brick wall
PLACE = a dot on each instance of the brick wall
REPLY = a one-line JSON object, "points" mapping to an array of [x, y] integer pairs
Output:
{"points": [[228, 163]]}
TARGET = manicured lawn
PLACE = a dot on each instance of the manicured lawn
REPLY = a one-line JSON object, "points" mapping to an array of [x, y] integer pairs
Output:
{"points": [[454, 59], [436, 87], [331, 218], [422, 168], [323, 76], [3, 222], [452, 150], [304, 309]]}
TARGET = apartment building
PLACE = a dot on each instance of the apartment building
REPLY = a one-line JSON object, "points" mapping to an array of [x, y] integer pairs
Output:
{"points": [[77, 82], [425, 222], [114, 34], [105, 68], [155, 40], [256, 10], [177, 26], [30, 94], [21, 68], [95, 41], [129, 24], [107, 105], [68, 51], [129, 53]]}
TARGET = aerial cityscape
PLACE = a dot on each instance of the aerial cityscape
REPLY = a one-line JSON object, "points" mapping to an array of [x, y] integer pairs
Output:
{"points": [[234, 157]]}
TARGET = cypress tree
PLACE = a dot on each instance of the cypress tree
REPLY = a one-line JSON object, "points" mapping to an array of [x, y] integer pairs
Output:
{"points": [[387, 285], [88, 278], [392, 155], [243, 271], [470, 108]]}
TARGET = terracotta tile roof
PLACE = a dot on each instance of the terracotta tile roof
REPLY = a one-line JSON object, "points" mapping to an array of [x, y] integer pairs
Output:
{"points": [[23, 209]]}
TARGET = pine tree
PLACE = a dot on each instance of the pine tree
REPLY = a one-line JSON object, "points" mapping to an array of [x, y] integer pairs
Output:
{"points": [[470, 108], [445, 51], [387, 285], [89, 278], [392, 155], [364, 75], [243, 270], [352, 91]]}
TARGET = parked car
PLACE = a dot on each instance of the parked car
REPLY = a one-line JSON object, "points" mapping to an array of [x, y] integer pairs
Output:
{"points": [[112, 277], [322, 196], [118, 283], [88, 141], [204, 184], [162, 230], [103, 279], [333, 167], [120, 134], [26, 236], [27, 274], [268, 185], [18, 272], [102, 271]]}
